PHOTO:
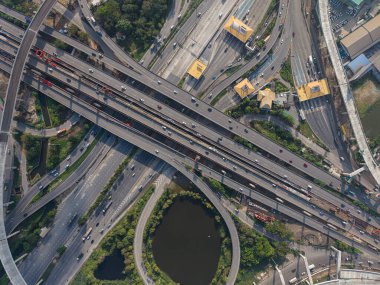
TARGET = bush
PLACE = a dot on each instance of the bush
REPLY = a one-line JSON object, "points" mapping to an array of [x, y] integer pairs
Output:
{"points": [[286, 72], [32, 146], [139, 21]]}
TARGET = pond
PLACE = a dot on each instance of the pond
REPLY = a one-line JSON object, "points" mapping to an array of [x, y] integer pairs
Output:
{"points": [[186, 245], [111, 268]]}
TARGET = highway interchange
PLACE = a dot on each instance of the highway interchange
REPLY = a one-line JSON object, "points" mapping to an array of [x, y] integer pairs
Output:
{"points": [[179, 136]]}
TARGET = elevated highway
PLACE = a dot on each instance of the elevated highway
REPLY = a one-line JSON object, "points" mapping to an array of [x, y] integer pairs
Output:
{"points": [[346, 91], [163, 151], [261, 179], [6, 119]]}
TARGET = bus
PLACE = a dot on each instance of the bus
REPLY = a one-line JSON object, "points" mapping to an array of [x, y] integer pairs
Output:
{"points": [[332, 227], [87, 234], [279, 200], [107, 206], [311, 267]]}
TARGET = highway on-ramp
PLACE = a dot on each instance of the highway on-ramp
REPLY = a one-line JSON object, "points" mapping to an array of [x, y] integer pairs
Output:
{"points": [[6, 120]]}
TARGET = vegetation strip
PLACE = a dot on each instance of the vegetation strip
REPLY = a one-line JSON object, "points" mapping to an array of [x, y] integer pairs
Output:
{"points": [[107, 188], [120, 238], [161, 208], [70, 170]]}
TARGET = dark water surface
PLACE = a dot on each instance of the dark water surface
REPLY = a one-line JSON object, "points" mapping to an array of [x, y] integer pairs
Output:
{"points": [[186, 245], [111, 267]]}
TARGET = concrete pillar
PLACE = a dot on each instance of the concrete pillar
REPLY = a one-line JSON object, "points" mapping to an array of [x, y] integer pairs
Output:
{"points": [[307, 269], [281, 276], [338, 261]]}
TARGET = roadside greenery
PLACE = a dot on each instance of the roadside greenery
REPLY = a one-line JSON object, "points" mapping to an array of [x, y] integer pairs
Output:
{"points": [[107, 188], [247, 106], [218, 97], [32, 146], [161, 208], [280, 87], [70, 170], [346, 248], [139, 21], [30, 230], [22, 6], [74, 32], [257, 253], [285, 138], [286, 72], [120, 238], [60, 147], [305, 129], [57, 112]]}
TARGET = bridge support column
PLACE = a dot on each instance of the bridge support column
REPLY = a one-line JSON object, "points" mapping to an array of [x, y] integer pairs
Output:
{"points": [[281, 276], [307, 269], [338, 261]]}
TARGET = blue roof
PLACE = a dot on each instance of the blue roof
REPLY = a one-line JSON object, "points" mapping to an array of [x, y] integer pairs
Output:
{"points": [[358, 63]]}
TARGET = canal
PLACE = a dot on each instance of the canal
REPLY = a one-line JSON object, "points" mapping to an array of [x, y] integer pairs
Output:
{"points": [[187, 244]]}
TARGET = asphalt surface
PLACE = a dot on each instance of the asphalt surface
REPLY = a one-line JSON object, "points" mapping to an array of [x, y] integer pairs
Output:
{"points": [[6, 120], [268, 186], [25, 208], [169, 155], [223, 121], [160, 185], [125, 192]]}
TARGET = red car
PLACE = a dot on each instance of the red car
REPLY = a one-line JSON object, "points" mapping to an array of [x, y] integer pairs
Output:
{"points": [[305, 165]]}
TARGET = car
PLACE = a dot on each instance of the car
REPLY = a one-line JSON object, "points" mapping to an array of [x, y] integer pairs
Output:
{"points": [[97, 224], [209, 109], [305, 165], [133, 174], [79, 256], [102, 231], [174, 45]]}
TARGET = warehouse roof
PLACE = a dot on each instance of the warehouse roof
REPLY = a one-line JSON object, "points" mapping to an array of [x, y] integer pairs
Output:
{"points": [[313, 90], [196, 69], [244, 88], [238, 29], [362, 38]]}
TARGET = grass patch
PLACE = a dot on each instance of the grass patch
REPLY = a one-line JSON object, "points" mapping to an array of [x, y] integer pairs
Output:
{"points": [[57, 112], [256, 253], [32, 146], [305, 130], [70, 170], [286, 72], [119, 238], [232, 70], [280, 87], [218, 97], [60, 147], [285, 138], [107, 188], [181, 82], [346, 248]]}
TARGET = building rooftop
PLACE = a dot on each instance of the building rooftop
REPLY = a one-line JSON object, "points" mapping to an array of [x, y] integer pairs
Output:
{"points": [[358, 63], [313, 90], [244, 88], [238, 29], [376, 61], [196, 69], [362, 38], [266, 98]]}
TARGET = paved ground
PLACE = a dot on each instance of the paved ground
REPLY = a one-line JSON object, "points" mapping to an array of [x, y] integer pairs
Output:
{"points": [[346, 92], [47, 133], [160, 185]]}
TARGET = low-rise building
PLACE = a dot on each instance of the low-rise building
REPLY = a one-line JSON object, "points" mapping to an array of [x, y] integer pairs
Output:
{"points": [[238, 29], [196, 69], [359, 67], [313, 90], [362, 38], [244, 88], [266, 98]]}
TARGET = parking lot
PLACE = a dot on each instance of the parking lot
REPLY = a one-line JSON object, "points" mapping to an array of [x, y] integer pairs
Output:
{"points": [[341, 15]]}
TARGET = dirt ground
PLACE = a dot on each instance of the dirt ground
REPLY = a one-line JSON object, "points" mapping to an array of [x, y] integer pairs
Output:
{"points": [[3, 84], [366, 93], [308, 236]]}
